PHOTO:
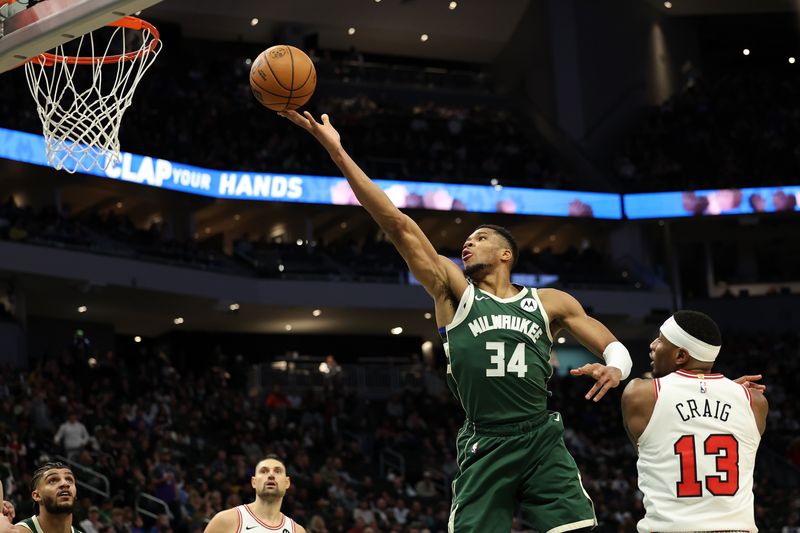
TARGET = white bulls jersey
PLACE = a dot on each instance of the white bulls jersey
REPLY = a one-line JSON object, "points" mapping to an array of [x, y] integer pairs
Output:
{"points": [[696, 456], [250, 522]]}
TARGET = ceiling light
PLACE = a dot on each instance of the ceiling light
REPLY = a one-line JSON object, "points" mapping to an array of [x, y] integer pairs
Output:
{"points": [[281, 268], [248, 61], [288, 327], [561, 340], [428, 316], [178, 321], [253, 21], [746, 51], [316, 312], [423, 37], [396, 331], [668, 5], [453, 5], [791, 60], [351, 31], [137, 338], [82, 309], [493, 181], [299, 242], [119, 205], [233, 307], [458, 220]]}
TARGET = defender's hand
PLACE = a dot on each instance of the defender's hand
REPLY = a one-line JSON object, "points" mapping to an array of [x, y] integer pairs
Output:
{"points": [[324, 132], [747, 381], [606, 377]]}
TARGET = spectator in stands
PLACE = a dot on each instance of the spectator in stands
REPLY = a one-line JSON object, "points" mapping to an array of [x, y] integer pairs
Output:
{"points": [[74, 436], [92, 523]]}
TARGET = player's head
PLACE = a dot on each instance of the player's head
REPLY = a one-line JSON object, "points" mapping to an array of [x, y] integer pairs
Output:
{"points": [[687, 339], [487, 248], [269, 479], [53, 488]]}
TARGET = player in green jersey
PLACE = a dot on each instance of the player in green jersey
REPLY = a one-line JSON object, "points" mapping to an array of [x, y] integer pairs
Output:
{"points": [[53, 490], [497, 338]]}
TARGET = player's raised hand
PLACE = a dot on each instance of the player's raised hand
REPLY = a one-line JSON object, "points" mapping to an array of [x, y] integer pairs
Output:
{"points": [[606, 377], [323, 131], [748, 381], [8, 510]]}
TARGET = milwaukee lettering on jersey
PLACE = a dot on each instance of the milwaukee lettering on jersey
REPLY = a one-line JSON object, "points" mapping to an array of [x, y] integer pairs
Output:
{"points": [[482, 324]]}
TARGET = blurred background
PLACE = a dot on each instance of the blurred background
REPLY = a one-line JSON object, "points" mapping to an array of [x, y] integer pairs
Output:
{"points": [[162, 336]]}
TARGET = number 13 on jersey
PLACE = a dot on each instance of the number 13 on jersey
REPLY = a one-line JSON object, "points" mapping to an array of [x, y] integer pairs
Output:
{"points": [[516, 364]]}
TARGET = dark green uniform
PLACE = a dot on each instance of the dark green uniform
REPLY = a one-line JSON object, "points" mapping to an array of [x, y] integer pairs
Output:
{"points": [[510, 449]]}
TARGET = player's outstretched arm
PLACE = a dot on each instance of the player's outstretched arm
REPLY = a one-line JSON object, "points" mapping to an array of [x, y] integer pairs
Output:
{"points": [[565, 312], [223, 522], [439, 275]]}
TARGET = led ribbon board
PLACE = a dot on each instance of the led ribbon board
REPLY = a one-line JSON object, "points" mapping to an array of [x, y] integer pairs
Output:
{"points": [[239, 185], [712, 202]]}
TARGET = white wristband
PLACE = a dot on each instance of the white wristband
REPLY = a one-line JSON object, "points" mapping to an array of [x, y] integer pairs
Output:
{"points": [[616, 355]]}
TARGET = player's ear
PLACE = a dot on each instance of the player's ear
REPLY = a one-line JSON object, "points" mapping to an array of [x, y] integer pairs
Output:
{"points": [[35, 496], [507, 255], [682, 356]]}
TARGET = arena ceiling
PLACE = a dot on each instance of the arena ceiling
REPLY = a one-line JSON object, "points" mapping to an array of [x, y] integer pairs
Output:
{"points": [[475, 31]]}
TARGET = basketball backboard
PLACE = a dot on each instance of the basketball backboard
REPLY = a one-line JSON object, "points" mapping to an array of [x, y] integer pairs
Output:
{"points": [[26, 33]]}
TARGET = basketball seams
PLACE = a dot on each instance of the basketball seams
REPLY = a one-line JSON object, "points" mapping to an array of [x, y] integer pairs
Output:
{"points": [[310, 71], [295, 97], [277, 80], [291, 83]]}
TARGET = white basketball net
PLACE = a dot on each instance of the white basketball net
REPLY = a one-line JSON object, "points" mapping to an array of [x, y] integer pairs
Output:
{"points": [[81, 105]]}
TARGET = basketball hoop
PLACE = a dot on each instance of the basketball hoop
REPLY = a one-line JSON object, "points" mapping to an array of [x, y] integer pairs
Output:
{"points": [[80, 108]]}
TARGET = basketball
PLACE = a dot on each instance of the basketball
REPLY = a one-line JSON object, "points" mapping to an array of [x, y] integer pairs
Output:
{"points": [[283, 77]]}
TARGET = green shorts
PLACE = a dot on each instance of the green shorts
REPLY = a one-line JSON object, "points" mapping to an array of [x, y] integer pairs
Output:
{"points": [[526, 464]]}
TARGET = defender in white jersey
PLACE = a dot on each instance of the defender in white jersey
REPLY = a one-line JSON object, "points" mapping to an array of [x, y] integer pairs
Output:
{"points": [[7, 515], [264, 514], [54, 492], [696, 432]]}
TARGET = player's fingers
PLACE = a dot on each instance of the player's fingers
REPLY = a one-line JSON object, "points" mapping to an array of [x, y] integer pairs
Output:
{"points": [[603, 391], [593, 390], [575, 371], [326, 120]]}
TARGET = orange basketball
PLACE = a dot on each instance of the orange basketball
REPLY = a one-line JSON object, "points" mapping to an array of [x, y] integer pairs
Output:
{"points": [[283, 77]]}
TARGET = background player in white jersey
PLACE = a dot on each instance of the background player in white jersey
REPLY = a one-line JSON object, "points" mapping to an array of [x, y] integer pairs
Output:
{"points": [[696, 432], [7, 515], [270, 483]]}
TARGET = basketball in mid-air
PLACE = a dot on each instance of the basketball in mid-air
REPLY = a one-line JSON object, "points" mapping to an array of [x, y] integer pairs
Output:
{"points": [[283, 77]]}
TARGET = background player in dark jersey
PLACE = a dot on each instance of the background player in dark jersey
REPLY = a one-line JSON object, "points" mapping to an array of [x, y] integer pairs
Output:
{"points": [[53, 490], [270, 483], [497, 337]]}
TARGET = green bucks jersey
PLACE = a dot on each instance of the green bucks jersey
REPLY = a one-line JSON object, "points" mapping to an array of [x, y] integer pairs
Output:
{"points": [[498, 352]]}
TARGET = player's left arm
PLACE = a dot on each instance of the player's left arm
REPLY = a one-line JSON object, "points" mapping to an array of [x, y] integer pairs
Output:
{"points": [[565, 312], [298, 528]]}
